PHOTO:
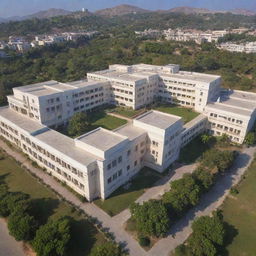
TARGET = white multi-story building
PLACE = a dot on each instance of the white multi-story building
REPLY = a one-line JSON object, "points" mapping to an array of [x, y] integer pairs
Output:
{"points": [[248, 47], [98, 162]]}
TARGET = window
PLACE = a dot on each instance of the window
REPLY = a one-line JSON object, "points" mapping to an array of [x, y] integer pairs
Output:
{"points": [[115, 176], [135, 163], [136, 148], [119, 159], [128, 167], [109, 180], [128, 152], [114, 163], [119, 173], [109, 166]]}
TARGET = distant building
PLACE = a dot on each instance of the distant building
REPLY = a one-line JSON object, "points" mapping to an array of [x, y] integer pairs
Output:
{"points": [[249, 47]]}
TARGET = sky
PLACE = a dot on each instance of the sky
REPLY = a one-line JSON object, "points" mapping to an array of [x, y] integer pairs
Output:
{"points": [[23, 7]]}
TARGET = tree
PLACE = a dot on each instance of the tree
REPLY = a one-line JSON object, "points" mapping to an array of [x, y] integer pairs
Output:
{"points": [[106, 249], [184, 193], [206, 138], [22, 226], [151, 218], [208, 235], [52, 238], [78, 124], [214, 158], [13, 201], [250, 139], [204, 177]]}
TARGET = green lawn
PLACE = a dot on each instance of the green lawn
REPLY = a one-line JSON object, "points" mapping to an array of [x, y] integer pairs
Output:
{"points": [[240, 212], [187, 114], [122, 198], [101, 119], [127, 112], [193, 150], [48, 206]]}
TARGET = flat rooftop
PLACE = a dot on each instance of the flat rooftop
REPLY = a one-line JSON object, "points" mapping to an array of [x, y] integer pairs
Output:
{"points": [[238, 103], [66, 146], [158, 119], [53, 87], [191, 76], [130, 131], [102, 139], [20, 120], [247, 96], [224, 108]]}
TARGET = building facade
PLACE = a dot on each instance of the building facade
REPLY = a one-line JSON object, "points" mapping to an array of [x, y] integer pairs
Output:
{"points": [[98, 162]]}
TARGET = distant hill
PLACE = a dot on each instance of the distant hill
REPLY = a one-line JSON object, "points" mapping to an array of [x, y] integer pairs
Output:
{"points": [[120, 10], [189, 10], [39, 15], [243, 12], [48, 14]]}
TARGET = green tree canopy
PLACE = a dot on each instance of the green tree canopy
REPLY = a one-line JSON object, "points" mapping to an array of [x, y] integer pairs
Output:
{"points": [[22, 226], [184, 193], [151, 218], [208, 235], [78, 124], [52, 238]]}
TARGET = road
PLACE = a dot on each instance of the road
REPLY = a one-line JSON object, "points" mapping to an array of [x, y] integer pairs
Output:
{"points": [[8, 245]]}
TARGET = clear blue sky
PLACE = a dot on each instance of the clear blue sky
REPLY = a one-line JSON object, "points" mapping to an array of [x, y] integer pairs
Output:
{"points": [[24, 7]]}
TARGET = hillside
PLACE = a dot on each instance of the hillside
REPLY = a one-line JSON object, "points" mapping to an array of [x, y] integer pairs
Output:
{"points": [[39, 15], [120, 10], [189, 10]]}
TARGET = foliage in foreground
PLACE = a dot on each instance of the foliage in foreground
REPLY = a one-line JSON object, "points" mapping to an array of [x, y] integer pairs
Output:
{"points": [[151, 218], [106, 249], [52, 238]]}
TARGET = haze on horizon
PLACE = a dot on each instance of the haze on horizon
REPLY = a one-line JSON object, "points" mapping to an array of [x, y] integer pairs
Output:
{"points": [[10, 8]]}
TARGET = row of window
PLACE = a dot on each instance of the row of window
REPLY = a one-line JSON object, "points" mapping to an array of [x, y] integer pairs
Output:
{"points": [[52, 157], [115, 176], [229, 119], [80, 94]]}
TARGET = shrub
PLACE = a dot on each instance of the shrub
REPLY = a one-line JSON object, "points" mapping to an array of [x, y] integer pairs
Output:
{"points": [[144, 241], [250, 139], [234, 191], [106, 249]]}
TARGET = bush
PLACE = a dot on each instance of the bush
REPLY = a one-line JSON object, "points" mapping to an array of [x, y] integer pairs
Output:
{"points": [[144, 241], [106, 249], [250, 139], [234, 191]]}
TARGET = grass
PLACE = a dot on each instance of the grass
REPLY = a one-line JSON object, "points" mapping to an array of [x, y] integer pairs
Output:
{"points": [[127, 112], [187, 114], [240, 212], [193, 150], [122, 198], [84, 235], [101, 119]]}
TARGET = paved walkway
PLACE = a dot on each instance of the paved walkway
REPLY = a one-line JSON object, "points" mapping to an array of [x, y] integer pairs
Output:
{"points": [[8, 245], [181, 230], [120, 116]]}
